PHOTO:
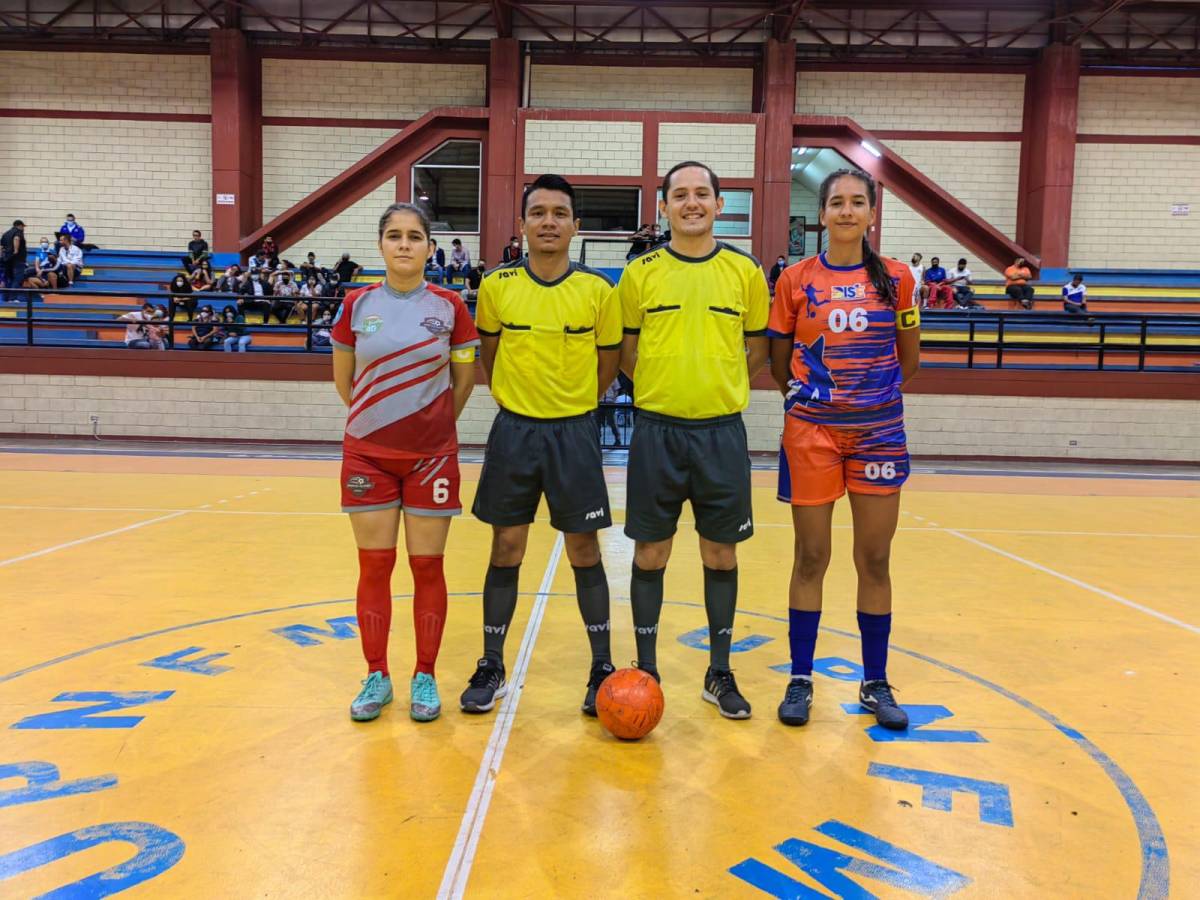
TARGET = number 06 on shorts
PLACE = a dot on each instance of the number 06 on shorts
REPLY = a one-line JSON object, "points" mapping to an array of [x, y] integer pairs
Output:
{"points": [[819, 463]]}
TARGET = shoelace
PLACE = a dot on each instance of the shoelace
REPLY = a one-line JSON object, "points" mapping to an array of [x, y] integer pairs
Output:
{"points": [[372, 687], [484, 678], [724, 681], [599, 673], [882, 692], [795, 691], [425, 692]]}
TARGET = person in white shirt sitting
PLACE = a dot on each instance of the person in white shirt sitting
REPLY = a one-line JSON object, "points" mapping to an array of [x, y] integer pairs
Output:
{"points": [[960, 280], [918, 270], [1075, 296], [70, 259]]}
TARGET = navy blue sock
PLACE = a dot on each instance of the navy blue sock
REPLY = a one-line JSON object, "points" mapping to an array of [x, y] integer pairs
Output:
{"points": [[802, 636], [875, 631]]}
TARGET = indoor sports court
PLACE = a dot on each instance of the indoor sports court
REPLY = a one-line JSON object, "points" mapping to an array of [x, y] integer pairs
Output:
{"points": [[187, 644]]}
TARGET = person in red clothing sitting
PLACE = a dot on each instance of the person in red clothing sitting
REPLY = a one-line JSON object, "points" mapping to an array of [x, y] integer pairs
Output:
{"points": [[404, 365], [940, 292]]}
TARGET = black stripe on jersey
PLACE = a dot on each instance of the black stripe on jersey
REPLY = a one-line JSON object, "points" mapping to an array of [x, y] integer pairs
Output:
{"points": [[724, 310], [582, 329], [588, 270], [738, 250], [632, 330], [609, 346], [762, 332], [488, 333], [511, 327], [658, 309]]}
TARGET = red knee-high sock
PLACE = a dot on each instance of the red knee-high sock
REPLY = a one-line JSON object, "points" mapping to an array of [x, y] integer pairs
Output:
{"points": [[374, 606], [429, 608]]}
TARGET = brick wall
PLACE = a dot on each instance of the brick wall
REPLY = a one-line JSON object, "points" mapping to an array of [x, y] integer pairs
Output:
{"points": [[1117, 105], [267, 410], [141, 185], [114, 82], [1121, 213], [366, 90], [728, 149], [604, 87], [927, 101], [983, 175], [583, 148]]}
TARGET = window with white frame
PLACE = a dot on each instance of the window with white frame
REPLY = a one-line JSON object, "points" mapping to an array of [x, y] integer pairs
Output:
{"points": [[735, 219], [446, 182], [608, 209]]}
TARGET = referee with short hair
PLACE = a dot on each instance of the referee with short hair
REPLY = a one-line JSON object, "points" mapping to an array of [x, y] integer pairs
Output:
{"points": [[551, 341], [695, 317]]}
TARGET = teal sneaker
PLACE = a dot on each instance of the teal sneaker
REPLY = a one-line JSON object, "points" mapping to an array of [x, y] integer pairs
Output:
{"points": [[376, 692], [426, 705]]}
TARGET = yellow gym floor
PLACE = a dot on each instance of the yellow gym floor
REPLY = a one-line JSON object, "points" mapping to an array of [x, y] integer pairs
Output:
{"points": [[179, 654]]}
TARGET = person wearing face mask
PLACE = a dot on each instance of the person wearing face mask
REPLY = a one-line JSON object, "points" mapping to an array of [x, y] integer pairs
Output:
{"points": [[285, 291], [695, 319], [73, 229], [182, 294], [776, 271], [256, 291], [512, 252]]}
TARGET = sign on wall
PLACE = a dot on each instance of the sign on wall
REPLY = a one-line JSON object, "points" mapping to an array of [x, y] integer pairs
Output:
{"points": [[226, 199], [1181, 209]]}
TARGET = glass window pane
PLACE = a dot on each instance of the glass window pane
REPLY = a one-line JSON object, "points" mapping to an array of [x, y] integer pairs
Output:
{"points": [[734, 220], [453, 153], [449, 196], [608, 208]]}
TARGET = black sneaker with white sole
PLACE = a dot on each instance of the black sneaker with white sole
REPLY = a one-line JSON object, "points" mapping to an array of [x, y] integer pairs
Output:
{"points": [[600, 671], [797, 701], [486, 686], [721, 689], [648, 669], [877, 697]]}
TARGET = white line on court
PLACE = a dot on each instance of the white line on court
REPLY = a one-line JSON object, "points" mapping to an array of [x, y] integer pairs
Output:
{"points": [[458, 868], [94, 537], [1116, 598]]}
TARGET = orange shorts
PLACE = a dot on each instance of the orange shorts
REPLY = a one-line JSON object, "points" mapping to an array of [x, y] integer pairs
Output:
{"points": [[819, 463]]}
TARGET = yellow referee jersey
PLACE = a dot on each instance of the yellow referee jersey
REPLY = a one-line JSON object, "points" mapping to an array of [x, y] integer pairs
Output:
{"points": [[549, 333], [691, 316]]}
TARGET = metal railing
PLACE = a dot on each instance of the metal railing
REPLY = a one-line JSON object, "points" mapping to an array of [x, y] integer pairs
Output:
{"points": [[974, 338]]}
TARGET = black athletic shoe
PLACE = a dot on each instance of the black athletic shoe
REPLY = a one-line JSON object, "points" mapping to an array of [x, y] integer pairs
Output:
{"points": [[648, 669], [797, 701], [721, 689], [486, 686], [877, 697], [600, 671]]}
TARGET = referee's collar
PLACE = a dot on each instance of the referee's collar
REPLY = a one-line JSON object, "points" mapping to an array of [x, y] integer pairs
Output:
{"points": [[694, 259], [571, 267]]}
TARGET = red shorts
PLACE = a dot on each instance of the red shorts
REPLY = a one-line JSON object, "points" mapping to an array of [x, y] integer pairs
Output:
{"points": [[424, 487], [819, 463]]}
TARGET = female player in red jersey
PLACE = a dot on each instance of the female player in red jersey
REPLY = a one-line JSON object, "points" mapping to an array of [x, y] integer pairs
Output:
{"points": [[404, 365], [845, 335]]}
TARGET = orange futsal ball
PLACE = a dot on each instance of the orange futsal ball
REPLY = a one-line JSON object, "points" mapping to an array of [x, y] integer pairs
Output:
{"points": [[629, 704]]}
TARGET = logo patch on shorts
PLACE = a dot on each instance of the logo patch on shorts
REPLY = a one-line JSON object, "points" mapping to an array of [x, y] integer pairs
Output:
{"points": [[372, 324], [358, 485], [434, 325]]}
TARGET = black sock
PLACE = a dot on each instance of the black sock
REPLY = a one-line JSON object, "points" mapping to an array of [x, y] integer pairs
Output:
{"points": [[720, 601], [591, 589], [646, 598], [499, 604]]}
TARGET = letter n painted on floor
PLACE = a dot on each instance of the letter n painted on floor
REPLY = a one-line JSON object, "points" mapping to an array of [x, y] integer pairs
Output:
{"points": [[157, 850], [340, 629], [938, 790], [829, 868], [178, 662], [89, 716]]}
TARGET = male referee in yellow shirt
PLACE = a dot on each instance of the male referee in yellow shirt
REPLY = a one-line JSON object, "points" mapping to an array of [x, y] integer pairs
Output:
{"points": [[551, 341], [695, 319]]}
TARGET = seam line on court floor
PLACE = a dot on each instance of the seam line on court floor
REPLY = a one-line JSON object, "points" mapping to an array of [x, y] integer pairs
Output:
{"points": [[94, 537], [458, 867], [1109, 595]]}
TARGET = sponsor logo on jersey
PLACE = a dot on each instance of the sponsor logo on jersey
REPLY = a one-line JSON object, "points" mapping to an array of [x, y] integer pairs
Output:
{"points": [[358, 485], [434, 325], [510, 273], [848, 292], [372, 324]]}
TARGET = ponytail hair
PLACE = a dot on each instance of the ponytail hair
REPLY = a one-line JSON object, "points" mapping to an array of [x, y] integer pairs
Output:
{"points": [[877, 270]]}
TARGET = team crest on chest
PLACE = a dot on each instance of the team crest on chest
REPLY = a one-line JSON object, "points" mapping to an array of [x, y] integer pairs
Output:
{"points": [[434, 325], [372, 324]]}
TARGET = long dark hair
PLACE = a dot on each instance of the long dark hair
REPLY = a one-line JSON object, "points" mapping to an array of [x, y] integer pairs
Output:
{"points": [[872, 262]]}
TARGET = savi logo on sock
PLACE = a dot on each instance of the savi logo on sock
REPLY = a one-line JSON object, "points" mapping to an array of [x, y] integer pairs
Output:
{"points": [[494, 629], [728, 631], [646, 629], [603, 626]]}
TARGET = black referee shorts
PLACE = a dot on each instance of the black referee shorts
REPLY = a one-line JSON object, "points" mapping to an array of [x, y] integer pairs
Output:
{"points": [[702, 460], [560, 458]]}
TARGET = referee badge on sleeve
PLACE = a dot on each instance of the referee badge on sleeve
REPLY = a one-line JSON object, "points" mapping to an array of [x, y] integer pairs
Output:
{"points": [[908, 318]]}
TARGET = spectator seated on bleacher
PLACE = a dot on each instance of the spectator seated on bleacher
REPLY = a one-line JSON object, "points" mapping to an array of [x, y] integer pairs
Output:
{"points": [[347, 270], [1016, 283], [940, 293], [76, 232], [140, 334], [181, 293], [206, 335], [960, 280], [201, 276], [268, 253], [310, 266], [460, 261], [512, 251], [255, 293], [197, 252], [474, 279], [1074, 296], [435, 266], [70, 258], [313, 289], [229, 282], [285, 290], [323, 336], [233, 328]]}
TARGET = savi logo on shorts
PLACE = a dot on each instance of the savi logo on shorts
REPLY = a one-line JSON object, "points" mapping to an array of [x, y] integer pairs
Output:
{"points": [[434, 325], [372, 324], [594, 514], [358, 485], [745, 526]]}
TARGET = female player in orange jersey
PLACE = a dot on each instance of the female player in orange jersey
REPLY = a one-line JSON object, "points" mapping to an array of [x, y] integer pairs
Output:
{"points": [[845, 336], [404, 365]]}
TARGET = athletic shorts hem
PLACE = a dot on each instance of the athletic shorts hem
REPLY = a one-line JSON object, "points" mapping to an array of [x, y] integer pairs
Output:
{"points": [[589, 527], [432, 513], [881, 491], [633, 536], [723, 539], [371, 507], [804, 501], [499, 521]]}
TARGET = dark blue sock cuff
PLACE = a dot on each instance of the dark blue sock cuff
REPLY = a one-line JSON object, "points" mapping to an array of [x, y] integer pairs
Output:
{"points": [[803, 622], [872, 624]]}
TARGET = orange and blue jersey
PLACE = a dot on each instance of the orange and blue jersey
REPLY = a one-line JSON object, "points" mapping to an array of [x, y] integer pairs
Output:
{"points": [[844, 369]]}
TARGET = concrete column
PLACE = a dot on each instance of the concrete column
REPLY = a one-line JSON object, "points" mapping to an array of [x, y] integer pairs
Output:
{"points": [[236, 139], [779, 106], [502, 166]]}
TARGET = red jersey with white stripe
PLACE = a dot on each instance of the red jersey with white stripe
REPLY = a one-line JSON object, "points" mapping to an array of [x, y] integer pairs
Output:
{"points": [[401, 403]]}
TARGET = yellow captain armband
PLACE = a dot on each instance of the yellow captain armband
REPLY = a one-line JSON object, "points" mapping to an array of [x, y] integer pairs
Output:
{"points": [[908, 318], [465, 355]]}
